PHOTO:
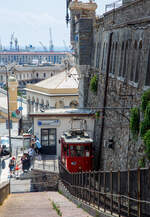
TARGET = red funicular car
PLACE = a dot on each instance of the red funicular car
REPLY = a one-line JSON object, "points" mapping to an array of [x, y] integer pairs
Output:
{"points": [[76, 151]]}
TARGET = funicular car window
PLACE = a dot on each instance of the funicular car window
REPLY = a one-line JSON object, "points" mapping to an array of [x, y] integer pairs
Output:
{"points": [[77, 151], [66, 149]]}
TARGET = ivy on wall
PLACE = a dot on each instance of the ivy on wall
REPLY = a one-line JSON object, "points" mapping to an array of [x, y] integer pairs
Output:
{"points": [[143, 126], [135, 122], [94, 84], [145, 99]]}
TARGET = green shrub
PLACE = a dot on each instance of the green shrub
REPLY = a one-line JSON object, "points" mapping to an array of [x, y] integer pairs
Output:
{"points": [[134, 121], [144, 127], [145, 99], [147, 143], [147, 112], [97, 115], [94, 84], [141, 162]]}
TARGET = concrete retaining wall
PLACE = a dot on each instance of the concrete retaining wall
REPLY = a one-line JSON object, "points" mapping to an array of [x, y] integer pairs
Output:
{"points": [[4, 191]]}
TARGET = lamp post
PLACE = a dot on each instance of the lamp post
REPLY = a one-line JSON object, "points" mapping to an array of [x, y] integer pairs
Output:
{"points": [[8, 110]]}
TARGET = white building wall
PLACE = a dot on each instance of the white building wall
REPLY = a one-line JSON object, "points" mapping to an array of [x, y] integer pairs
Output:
{"points": [[52, 99]]}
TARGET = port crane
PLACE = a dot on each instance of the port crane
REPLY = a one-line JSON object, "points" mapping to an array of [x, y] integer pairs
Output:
{"points": [[11, 40], [65, 46], [51, 46], [44, 47], [15, 40]]}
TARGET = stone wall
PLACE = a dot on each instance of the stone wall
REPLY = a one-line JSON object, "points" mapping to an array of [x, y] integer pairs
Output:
{"points": [[123, 69]]}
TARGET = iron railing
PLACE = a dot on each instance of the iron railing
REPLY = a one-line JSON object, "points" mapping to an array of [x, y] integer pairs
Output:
{"points": [[126, 193]]}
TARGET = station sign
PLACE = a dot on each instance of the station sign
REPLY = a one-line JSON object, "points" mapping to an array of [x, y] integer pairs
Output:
{"points": [[48, 122]]}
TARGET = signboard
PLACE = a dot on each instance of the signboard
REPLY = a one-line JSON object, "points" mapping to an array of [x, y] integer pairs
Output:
{"points": [[48, 122], [20, 108], [10, 124]]}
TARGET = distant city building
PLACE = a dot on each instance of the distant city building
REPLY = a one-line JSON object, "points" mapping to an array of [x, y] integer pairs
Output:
{"points": [[7, 57], [31, 73]]}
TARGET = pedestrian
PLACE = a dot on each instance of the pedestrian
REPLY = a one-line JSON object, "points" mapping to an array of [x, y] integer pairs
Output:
{"points": [[31, 153], [25, 162], [12, 166], [38, 144]]}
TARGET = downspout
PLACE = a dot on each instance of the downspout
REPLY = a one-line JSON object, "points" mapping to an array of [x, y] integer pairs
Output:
{"points": [[104, 103]]}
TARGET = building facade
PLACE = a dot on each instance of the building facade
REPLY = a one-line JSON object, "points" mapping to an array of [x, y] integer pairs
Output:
{"points": [[59, 91], [7, 57], [116, 48], [31, 74]]}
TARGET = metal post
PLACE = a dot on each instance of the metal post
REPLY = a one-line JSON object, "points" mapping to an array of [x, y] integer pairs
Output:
{"points": [[99, 188], [128, 192], [139, 191], [111, 191], [104, 191], [9, 130], [119, 200]]}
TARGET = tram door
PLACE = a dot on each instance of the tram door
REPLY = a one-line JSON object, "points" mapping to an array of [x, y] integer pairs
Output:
{"points": [[48, 141]]}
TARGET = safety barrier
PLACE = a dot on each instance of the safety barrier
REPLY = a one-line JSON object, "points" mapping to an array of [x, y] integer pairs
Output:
{"points": [[125, 193]]}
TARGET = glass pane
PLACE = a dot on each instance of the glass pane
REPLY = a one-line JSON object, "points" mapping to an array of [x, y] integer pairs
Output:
{"points": [[45, 143], [44, 132], [52, 131], [52, 143], [52, 137]]}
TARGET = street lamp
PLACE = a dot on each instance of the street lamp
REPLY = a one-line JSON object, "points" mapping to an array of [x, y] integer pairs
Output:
{"points": [[9, 127]]}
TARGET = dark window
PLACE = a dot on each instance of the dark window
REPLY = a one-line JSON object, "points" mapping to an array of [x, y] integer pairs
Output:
{"points": [[121, 59], [125, 60], [48, 141]]}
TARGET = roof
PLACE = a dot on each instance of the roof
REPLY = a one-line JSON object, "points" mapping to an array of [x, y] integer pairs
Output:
{"points": [[76, 136], [58, 67], [65, 82], [63, 112], [61, 80]]}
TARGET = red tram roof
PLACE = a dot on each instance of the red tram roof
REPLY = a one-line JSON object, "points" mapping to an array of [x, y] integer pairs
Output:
{"points": [[76, 137]]}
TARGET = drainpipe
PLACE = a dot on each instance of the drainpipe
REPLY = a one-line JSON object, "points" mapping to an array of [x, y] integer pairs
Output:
{"points": [[104, 103]]}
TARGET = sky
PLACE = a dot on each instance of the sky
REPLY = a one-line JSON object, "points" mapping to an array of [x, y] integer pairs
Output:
{"points": [[30, 21]]}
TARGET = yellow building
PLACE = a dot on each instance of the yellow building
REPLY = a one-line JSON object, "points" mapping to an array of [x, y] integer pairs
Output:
{"points": [[12, 92]]}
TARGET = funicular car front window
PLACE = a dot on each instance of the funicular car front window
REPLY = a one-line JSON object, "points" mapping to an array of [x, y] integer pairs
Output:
{"points": [[77, 150]]}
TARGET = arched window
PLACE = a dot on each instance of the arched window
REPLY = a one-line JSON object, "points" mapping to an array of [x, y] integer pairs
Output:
{"points": [[59, 104], [1, 77], [125, 60], [147, 81], [115, 57], [121, 59], [102, 66], [140, 45], [135, 45], [74, 104], [111, 58], [138, 63]]}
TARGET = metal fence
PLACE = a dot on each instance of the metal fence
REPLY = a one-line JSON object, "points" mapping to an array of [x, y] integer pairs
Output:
{"points": [[126, 193]]}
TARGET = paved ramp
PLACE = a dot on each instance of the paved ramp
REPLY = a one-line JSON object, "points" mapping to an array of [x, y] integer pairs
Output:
{"points": [[28, 205], [39, 204]]}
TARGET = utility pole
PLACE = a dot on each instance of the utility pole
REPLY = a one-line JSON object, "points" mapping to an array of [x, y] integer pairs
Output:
{"points": [[8, 110]]}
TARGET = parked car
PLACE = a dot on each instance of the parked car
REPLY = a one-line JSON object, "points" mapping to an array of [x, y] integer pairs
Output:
{"points": [[4, 143]]}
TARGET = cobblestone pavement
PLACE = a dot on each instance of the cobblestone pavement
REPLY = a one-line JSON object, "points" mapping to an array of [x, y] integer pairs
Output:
{"points": [[67, 208], [28, 205]]}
